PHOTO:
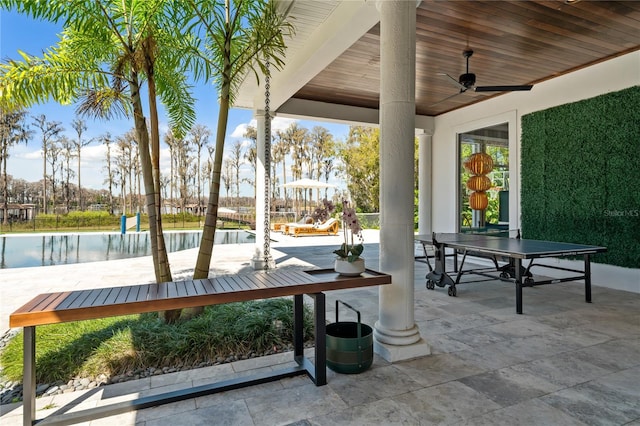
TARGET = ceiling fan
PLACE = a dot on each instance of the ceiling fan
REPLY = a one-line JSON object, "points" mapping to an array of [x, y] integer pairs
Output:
{"points": [[467, 81]]}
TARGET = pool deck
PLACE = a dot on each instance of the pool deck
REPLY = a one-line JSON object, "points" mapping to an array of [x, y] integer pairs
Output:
{"points": [[564, 362]]}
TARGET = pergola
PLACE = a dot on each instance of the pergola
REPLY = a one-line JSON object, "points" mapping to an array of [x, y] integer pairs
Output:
{"points": [[380, 63]]}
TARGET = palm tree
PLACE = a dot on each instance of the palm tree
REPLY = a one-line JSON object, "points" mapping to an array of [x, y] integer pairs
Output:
{"points": [[107, 48], [241, 36], [298, 141], [321, 153]]}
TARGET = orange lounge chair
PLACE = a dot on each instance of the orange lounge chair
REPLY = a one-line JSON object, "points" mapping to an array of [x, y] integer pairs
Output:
{"points": [[329, 227], [285, 227]]}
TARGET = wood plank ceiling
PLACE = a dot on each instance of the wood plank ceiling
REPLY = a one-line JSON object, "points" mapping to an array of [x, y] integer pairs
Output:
{"points": [[514, 43]]}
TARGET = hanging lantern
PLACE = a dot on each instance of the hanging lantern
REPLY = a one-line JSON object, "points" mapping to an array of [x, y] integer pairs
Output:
{"points": [[479, 183], [478, 200], [479, 163]]}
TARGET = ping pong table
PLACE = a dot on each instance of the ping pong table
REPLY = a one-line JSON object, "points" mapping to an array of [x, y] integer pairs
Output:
{"points": [[507, 255]]}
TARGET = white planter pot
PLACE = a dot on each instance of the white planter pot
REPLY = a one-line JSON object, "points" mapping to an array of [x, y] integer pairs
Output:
{"points": [[349, 269]]}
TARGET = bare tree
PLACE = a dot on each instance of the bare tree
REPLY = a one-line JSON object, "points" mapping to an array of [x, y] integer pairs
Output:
{"points": [[227, 175], [80, 127], [13, 130], [48, 130], [236, 162], [110, 180], [199, 138], [172, 143], [123, 164], [251, 155], [280, 150], [165, 181], [54, 160], [137, 175], [208, 167], [66, 149], [182, 151]]}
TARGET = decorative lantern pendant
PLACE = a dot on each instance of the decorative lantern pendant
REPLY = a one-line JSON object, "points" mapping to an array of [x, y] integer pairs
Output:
{"points": [[479, 164]]}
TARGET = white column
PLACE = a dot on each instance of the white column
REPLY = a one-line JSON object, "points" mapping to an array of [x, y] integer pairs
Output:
{"points": [[396, 335], [424, 181], [261, 256]]}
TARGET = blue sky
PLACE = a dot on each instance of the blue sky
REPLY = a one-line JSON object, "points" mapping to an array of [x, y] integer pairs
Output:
{"points": [[18, 32]]}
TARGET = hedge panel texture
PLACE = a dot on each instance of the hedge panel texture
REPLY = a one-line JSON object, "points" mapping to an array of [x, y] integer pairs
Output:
{"points": [[581, 175]]}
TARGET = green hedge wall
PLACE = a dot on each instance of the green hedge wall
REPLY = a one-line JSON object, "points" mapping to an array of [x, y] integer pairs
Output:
{"points": [[581, 175]]}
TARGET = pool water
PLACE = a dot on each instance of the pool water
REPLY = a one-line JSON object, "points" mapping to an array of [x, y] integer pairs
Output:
{"points": [[19, 251]]}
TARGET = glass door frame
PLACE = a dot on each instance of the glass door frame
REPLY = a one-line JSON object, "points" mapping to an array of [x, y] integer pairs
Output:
{"points": [[511, 118]]}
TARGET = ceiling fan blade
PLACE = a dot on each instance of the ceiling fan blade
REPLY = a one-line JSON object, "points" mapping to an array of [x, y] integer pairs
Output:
{"points": [[502, 88], [455, 82], [448, 97]]}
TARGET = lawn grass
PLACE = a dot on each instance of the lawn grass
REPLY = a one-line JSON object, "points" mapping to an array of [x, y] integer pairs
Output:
{"points": [[117, 345]]}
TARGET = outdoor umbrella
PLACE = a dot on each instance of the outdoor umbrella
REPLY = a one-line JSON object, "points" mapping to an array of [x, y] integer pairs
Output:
{"points": [[307, 183]]}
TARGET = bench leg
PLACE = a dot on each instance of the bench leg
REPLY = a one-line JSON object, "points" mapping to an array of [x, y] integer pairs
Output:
{"points": [[298, 326], [318, 371], [320, 327], [29, 376]]}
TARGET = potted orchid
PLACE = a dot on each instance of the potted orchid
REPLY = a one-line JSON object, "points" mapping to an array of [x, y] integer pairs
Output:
{"points": [[349, 261]]}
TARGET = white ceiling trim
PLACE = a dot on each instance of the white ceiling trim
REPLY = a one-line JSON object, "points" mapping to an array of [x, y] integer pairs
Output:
{"points": [[336, 113]]}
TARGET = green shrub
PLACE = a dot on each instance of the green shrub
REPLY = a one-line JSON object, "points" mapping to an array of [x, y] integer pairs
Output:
{"points": [[114, 346]]}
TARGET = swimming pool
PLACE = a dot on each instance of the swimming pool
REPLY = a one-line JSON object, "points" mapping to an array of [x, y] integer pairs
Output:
{"points": [[19, 251]]}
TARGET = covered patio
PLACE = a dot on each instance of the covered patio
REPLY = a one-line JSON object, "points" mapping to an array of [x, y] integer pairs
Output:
{"points": [[439, 360], [394, 64]]}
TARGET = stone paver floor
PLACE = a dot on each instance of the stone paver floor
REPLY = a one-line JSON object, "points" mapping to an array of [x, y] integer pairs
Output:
{"points": [[564, 362]]}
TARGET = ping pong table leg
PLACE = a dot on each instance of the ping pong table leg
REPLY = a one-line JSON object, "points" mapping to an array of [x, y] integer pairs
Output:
{"points": [[517, 263], [587, 278]]}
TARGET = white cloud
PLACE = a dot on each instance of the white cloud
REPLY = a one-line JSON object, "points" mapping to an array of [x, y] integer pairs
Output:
{"points": [[240, 130], [94, 153], [281, 123], [30, 155]]}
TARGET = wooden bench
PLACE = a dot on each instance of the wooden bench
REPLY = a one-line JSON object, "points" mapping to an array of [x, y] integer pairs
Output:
{"points": [[51, 308]]}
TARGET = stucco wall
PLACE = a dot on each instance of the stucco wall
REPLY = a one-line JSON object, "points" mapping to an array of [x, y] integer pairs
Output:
{"points": [[609, 76]]}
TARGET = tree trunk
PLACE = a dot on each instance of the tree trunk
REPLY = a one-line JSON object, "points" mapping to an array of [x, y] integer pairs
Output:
{"points": [[165, 270], [158, 249], [206, 245]]}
